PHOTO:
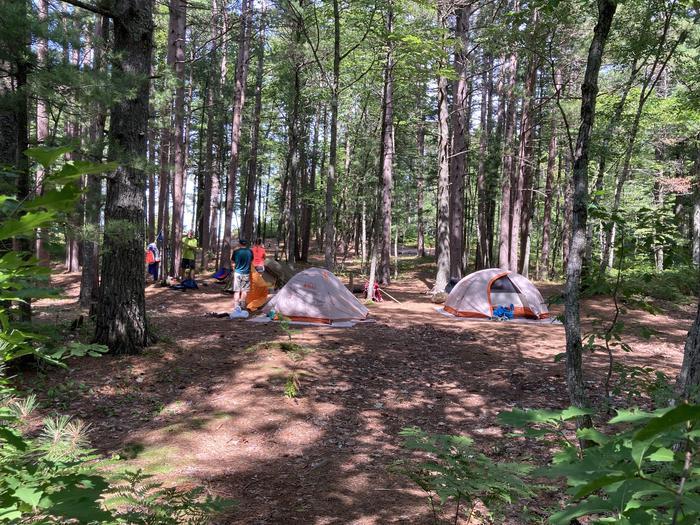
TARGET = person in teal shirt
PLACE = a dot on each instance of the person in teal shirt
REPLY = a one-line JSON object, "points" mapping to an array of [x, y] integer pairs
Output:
{"points": [[241, 260], [189, 251]]}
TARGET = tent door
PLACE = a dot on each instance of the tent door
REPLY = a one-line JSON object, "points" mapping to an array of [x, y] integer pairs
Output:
{"points": [[504, 293]]}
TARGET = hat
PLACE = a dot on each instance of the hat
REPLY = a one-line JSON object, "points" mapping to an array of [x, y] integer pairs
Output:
{"points": [[242, 242]]}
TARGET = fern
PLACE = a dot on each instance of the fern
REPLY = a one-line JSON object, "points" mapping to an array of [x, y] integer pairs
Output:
{"points": [[140, 501]]}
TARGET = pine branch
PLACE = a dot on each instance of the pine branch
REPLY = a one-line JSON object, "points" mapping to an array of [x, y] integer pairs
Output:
{"points": [[90, 7]]}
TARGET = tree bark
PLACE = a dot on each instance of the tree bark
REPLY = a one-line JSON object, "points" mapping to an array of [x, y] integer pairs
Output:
{"points": [[89, 282], [307, 204], [572, 322], [249, 220], [42, 126], [14, 114], [688, 384], [522, 195], [72, 133], [238, 103], [329, 231], [443, 200], [696, 207], [176, 60], [508, 98], [387, 158], [460, 142], [482, 246], [420, 184], [121, 321], [548, 191]]}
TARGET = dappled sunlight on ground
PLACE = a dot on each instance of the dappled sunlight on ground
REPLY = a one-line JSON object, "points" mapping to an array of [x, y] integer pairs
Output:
{"points": [[206, 405]]}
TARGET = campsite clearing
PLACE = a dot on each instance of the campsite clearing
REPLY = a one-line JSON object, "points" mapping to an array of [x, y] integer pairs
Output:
{"points": [[207, 404]]}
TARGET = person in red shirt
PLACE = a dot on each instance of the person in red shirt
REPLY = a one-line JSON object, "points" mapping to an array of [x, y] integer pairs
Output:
{"points": [[259, 256]]}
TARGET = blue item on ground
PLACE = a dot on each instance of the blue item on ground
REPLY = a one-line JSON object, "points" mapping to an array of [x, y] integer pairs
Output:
{"points": [[503, 313], [187, 284], [222, 274], [190, 284]]}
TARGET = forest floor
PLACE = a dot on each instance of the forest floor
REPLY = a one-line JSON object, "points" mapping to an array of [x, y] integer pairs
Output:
{"points": [[206, 404]]}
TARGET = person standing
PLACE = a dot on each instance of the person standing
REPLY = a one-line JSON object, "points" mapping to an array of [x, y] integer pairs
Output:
{"points": [[242, 259], [259, 256], [189, 250], [153, 260]]}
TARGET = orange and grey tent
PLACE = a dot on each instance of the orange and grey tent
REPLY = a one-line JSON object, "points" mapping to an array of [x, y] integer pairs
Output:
{"points": [[316, 296], [480, 293]]}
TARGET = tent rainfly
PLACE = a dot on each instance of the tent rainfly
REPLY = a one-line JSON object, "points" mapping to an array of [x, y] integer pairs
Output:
{"points": [[316, 296], [480, 293]]}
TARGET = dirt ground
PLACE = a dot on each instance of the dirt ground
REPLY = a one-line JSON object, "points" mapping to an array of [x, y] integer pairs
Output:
{"points": [[206, 405]]}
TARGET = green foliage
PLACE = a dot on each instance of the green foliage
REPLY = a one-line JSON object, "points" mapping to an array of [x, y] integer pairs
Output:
{"points": [[292, 386], [140, 501], [636, 382], [457, 473], [53, 477], [642, 470]]}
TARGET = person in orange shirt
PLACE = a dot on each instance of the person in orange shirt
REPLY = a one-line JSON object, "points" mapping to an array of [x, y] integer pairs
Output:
{"points": [[259, 256]]}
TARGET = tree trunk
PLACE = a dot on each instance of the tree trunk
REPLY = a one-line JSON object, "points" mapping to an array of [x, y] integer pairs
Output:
{"points": [[482, 246], [296, 145], [121, 321], [522, 195], [548, 190], [568, 211], [689, 378], [14, 114], [443, 199], [307, 203], [72, 133], [329, 232], [252, 181], [696, 207], [387, 158], [151, 221], [420, 180], [658, 249], [572, 322], [238, 103], [176, 60], [89, 282], [42, 126], [460, 141], [508, 98]]}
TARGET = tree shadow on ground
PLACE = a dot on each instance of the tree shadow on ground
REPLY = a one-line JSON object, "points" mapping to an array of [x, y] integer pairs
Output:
{"points": [[207, 405]]}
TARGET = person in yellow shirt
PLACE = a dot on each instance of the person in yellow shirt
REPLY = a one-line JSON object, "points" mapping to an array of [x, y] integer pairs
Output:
{"points": [[189, 251]]}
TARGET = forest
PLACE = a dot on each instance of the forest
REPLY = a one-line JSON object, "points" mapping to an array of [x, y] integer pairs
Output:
{"points": [[350, 261]]}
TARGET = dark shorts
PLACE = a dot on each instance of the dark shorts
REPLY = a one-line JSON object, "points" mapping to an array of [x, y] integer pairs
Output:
{"points": [[187, 264]]}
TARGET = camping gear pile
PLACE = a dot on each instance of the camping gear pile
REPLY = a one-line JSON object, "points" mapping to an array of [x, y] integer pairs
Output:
{"points": [[479, 295]]}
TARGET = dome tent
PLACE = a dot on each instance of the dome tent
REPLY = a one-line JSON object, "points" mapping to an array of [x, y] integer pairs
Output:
{"points": [[480, 293], [316, 296]]}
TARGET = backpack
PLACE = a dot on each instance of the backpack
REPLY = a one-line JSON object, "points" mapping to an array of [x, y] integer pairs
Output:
{"points": [[150, 258]]}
